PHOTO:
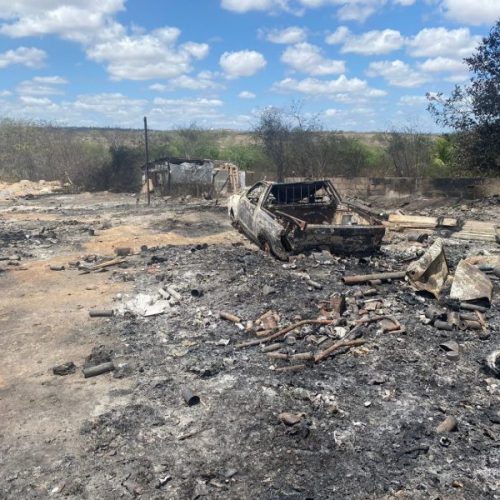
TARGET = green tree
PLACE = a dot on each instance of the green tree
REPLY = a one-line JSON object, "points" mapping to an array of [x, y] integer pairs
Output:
{"points": [[245, 156], [273, 132], [194, 142], [125, 169], [473, 110], [409, 150]]}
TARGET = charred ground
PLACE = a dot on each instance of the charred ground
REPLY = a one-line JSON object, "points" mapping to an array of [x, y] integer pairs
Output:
{"points": [[368, 415]]}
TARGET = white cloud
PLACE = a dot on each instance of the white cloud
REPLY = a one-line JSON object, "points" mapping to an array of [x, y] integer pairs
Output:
{"points": [[203, 111], [41, 85], [457, 78], [307, 58], [473, 12], [397, 73], [144, 57], [340, 35], [412, 100], [72, 19], [30, 57], [339, 89], [200, 82], [429, 42], [290, 35], [457, 68], [442, 65], [373, 42], [188, 103], [433, 42], [31, 108], [331, 112], [159, 87], [5, 93], [108, 109], [357, 11], [136, 56], [50, 80], [36, 101], [245, 94], [196, 50], [241, 63], [243, 6], [348, 10], [115, 106]]}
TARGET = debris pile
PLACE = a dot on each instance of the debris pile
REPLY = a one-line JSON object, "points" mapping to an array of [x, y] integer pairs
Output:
{"points": [[246, 375], [375, 345]]}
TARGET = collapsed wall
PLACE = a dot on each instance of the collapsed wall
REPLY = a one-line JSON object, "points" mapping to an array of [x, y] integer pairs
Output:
{"points": [[400, 187]]}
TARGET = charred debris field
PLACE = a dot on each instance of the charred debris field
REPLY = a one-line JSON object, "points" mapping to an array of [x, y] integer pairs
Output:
{"points": [[154, 352]]}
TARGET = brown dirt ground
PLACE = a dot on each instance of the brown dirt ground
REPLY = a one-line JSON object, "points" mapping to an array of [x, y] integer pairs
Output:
{"points": [[44, 322]]}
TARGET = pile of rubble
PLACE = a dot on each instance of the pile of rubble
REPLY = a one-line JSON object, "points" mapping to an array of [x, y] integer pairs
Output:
{"points": [[30, 189]]}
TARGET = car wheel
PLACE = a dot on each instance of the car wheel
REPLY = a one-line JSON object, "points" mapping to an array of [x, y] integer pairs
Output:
{"points": [[266, 247]]}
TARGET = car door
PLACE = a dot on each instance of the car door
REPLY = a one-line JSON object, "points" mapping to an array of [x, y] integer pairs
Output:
{"points": [[248, 205]]}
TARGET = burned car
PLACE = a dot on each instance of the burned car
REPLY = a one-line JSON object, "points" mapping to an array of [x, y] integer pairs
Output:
{"points": [[290, 218]]}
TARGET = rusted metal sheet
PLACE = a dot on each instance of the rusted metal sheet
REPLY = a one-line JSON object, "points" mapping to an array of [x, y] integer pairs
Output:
{"points": [[290, 218], [429, 273], [470, 283]]}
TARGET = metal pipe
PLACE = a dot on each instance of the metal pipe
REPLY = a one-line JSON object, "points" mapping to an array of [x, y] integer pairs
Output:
{"points": [[123, 251], [272, 347], [443, 325], [173, 293], [291, 368], [190, 398], [314, 284], [472, 307], [449, 424], [468, 324], [101, 314], [93, 371], [363, 278], [229, 317], [304, 356], [277, 355]]}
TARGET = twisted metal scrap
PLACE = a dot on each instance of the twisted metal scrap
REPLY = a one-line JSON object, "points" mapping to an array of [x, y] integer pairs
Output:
{"points": [[429, 273], [470, 283]]}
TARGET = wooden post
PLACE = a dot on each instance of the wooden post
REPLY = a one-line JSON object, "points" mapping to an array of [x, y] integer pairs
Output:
{"points": [[147, 158], [169, 184]]}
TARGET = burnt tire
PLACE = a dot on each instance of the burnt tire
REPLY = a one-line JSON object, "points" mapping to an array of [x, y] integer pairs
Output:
{"points": [[267, 247]]}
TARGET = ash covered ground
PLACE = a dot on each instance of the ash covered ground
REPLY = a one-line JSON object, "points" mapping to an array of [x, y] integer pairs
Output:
{"points": [[366, 416]]}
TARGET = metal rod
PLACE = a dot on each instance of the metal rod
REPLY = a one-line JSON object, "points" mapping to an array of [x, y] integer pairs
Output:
{"points": [[472, 307], [93, 371], [146, 151], [229, 317], [354, 280], [101, 313]]}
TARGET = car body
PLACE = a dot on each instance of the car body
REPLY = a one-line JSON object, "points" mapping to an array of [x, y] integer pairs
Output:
{"points": [[291, 218]]}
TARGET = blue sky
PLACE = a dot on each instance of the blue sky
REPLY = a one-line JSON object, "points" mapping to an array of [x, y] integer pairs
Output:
{"points": [[362, 65]]}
